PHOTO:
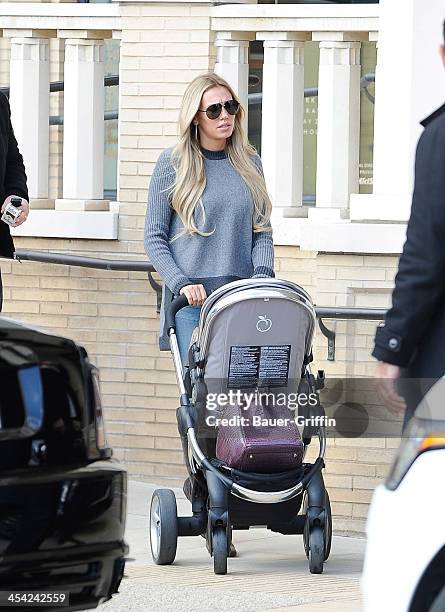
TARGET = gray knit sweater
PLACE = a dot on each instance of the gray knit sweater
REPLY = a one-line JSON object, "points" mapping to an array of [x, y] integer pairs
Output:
{"points": [[233, 251]]}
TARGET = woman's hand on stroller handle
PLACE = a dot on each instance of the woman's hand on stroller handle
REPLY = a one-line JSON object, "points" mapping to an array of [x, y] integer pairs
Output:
{"points": [[179, 302], [195, 294]]}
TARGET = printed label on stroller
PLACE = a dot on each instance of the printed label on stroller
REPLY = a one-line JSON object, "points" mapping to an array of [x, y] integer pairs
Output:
{"points": [[259, 366]]}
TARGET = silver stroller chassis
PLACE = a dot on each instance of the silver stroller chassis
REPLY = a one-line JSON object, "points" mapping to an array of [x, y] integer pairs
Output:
{"points": [[213, 490]]}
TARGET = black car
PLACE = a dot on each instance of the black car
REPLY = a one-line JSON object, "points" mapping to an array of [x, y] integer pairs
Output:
{"points": [[62, 496]]}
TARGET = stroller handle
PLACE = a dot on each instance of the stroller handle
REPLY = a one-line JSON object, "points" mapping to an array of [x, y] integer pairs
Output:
{"points": [[177, 303]]}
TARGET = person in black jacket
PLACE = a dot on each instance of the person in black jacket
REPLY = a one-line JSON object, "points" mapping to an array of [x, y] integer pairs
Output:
{"points": [[12, 179], [412, 340]]}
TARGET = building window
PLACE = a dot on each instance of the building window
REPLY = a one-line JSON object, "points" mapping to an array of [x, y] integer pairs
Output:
{"points": [[111, 67], [310, 119]]}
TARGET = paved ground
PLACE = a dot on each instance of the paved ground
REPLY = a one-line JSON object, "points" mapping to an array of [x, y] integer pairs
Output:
{"points": [[270, 573]]}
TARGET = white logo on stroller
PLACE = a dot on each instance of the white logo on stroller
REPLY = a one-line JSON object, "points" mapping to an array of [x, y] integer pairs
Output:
{"points": [[263, 323]]}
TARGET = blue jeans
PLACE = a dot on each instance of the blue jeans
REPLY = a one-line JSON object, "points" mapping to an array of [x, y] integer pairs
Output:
{"points": [[186, 321]]}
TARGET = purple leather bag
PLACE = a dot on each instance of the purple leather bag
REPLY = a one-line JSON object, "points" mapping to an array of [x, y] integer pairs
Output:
{"points": [[262, 439]]}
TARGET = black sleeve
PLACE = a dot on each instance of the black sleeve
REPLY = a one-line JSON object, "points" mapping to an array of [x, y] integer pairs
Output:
{"points": [[15, 176], [420, 280]]}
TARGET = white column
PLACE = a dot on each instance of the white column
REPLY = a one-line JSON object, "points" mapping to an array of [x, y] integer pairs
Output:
{"points": [[410, 84], [83, 142], [282, 120], [338, 125], [29, 100], [232, 63]]}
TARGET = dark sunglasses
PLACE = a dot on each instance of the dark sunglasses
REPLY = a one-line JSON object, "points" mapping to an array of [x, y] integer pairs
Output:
{"points": [[215, 110]]}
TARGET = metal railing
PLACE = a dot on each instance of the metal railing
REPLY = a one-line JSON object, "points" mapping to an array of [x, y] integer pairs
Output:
{"points": [[109, 81], [128, 265], [254, 98], [312, 92], [124, 265]]}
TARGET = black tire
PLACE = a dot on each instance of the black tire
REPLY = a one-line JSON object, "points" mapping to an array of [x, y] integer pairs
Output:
{"points": [[304, 507], [163, 526], [328, 528], [316, 550], [220, 550]]}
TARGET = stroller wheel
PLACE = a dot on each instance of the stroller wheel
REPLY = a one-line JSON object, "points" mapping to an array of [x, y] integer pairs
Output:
{"points": [[304, 507], [327, 528], [220, 550], [316, 550], [163, 526]]}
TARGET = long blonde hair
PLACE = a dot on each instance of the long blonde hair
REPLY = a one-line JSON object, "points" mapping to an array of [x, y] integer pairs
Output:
{"points": [[188, 159]]}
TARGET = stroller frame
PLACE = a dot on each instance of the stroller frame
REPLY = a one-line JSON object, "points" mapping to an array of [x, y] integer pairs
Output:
{"points": [[219, 503]]}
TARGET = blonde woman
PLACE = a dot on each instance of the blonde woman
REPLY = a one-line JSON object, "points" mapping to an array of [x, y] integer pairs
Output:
{"points": [[208, 214]]}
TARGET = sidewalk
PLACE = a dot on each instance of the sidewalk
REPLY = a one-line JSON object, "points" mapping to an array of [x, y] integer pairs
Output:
{"points": [[270, 573]]}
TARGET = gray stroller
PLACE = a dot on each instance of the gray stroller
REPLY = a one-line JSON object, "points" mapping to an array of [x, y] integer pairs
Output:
{"points": [[245, 455]]}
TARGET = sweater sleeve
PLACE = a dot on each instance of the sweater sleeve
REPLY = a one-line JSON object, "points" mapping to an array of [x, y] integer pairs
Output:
{"points": [[262, 243], [157, 224]]}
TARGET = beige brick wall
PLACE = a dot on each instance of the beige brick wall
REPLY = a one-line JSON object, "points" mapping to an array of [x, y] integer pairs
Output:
{"points": [[353, 467], [113, 314], [163, 48]]}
